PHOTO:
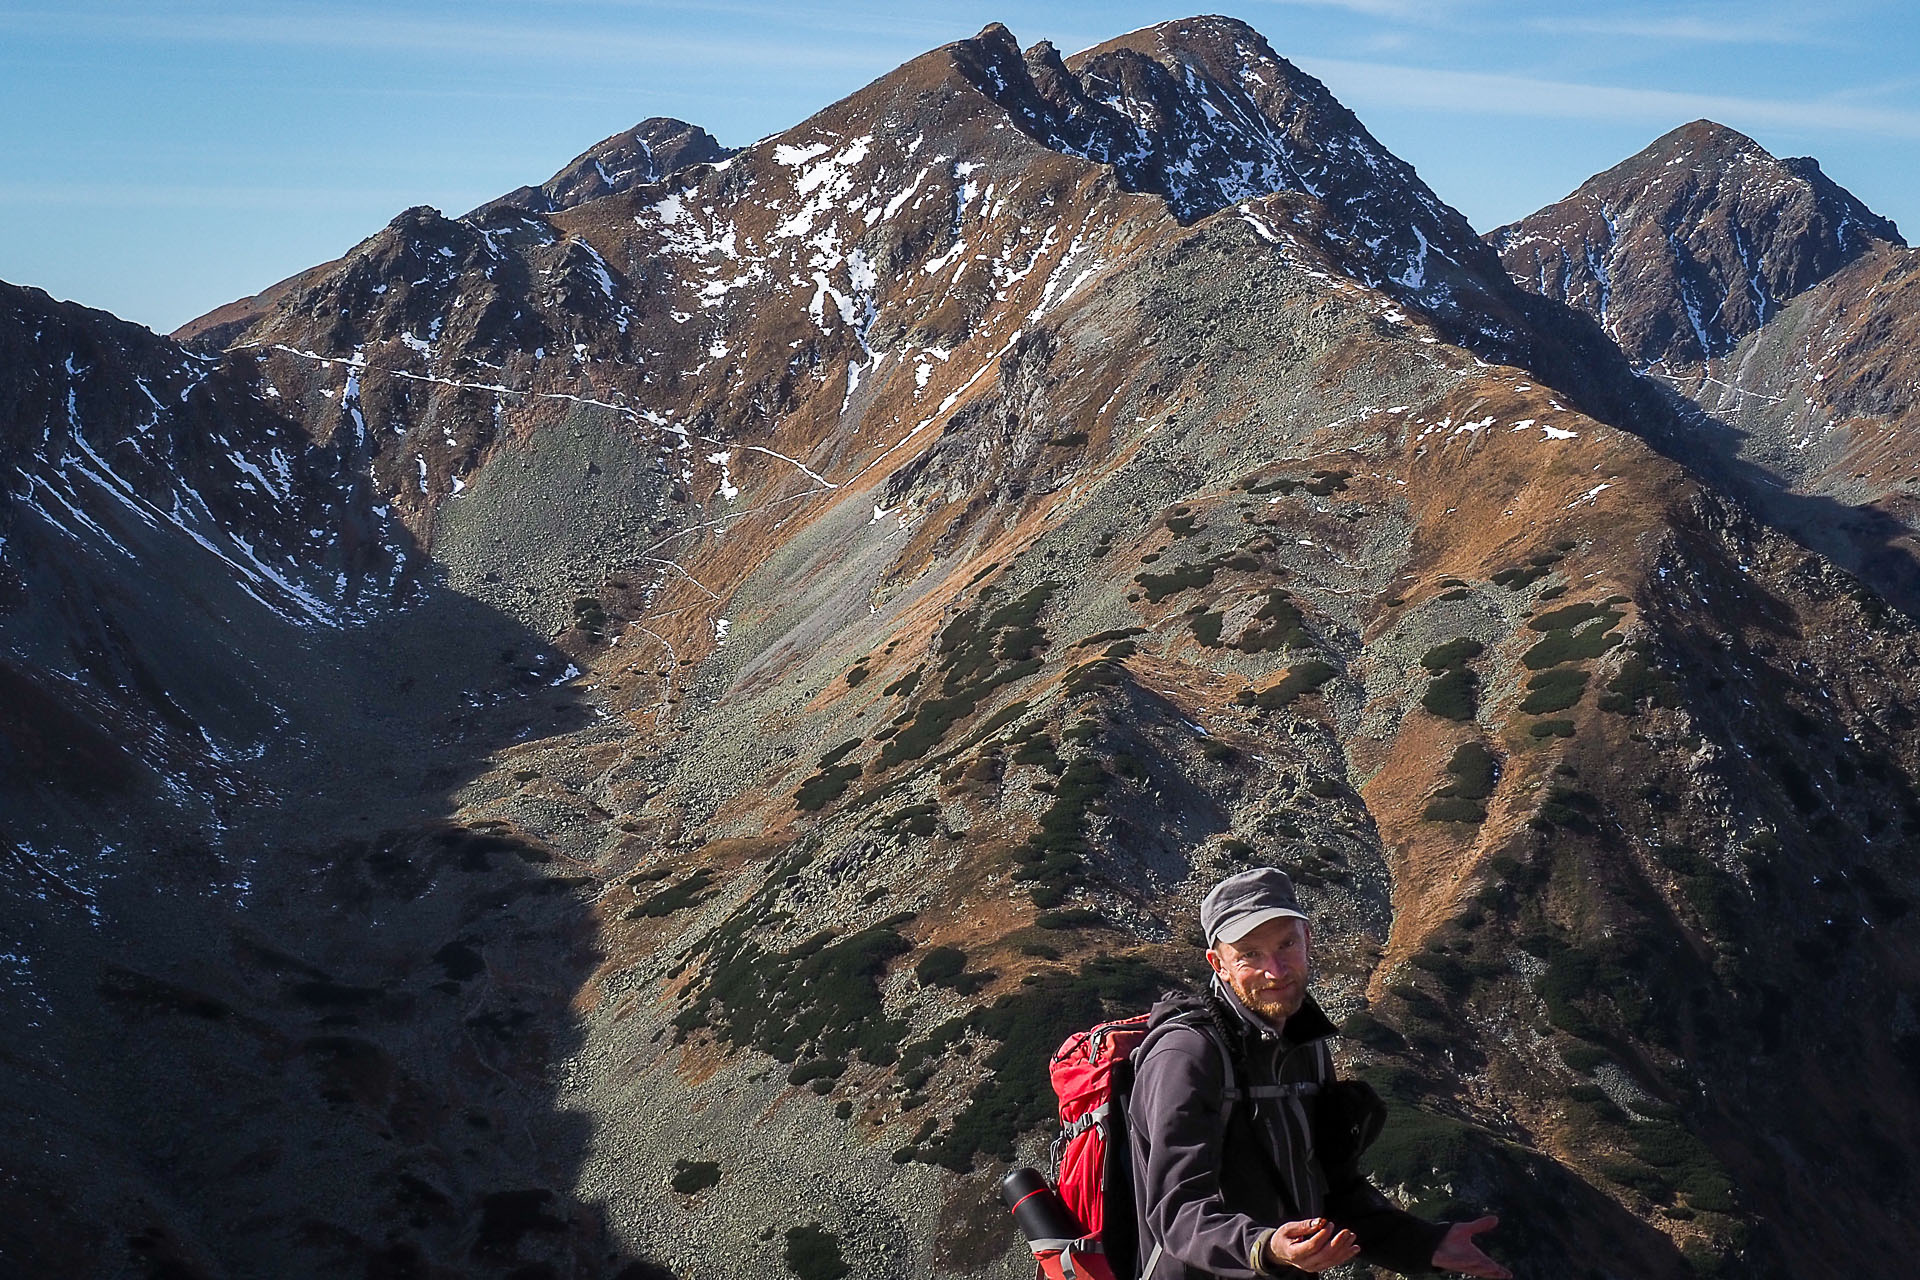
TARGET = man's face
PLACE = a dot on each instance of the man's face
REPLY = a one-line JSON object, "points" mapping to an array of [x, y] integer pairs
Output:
{"points": [[1267, 968]]}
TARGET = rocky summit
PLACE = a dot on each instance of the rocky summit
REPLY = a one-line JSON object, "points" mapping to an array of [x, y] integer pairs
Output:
{"points": [[613, 735], [1778, 311]]}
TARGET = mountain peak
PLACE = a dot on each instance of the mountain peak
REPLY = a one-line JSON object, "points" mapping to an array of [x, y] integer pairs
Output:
{"points": [[1204, 114], [648, 152], [1702, 135], [1687, 246], [997, 33]]}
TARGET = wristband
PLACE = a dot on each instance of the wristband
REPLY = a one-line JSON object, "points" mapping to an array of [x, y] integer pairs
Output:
{"points": [[1259, 1259]]}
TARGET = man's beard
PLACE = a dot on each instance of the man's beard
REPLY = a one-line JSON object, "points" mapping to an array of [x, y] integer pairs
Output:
{"points": [[1274, 1004]]}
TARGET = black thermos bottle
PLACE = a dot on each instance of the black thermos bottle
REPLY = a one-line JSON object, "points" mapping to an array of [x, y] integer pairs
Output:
{"points": [[1037, 1210]]}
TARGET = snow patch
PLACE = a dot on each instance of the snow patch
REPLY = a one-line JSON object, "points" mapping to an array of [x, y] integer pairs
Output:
{"points": [[793, 157], [723, 460]]}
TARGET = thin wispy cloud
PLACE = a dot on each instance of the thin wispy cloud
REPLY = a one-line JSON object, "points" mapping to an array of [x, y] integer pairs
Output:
{"points": [[429, 92], [927, 24], [148, 195], [1427, 13], [1875, 89], [1481, 93], [1690, 29], [387, 33]]}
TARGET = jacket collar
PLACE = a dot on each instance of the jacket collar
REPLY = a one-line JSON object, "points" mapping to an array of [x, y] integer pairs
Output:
{"points": [[1307, 1022]]}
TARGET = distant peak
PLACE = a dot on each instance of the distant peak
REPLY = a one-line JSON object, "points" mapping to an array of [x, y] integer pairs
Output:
{"points": [[647, 152], [655, 125], [1721, 162], [1209, 26], [1705, 133], [995, 41], [1690, 244], [1202, 38], [421, 217]]}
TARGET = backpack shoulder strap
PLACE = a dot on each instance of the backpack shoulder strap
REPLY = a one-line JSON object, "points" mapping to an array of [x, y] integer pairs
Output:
{"points": [[1200, 1018]]}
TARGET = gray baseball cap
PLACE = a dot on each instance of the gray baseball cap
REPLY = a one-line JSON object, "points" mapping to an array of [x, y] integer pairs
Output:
{"points": [[1243, 902]]}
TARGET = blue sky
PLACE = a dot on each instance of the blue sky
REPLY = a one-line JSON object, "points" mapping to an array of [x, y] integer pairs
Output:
{"points": [[160, 157]]}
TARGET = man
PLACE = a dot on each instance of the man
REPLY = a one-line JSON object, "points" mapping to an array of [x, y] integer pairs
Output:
{"points": [[1239, 1188]]}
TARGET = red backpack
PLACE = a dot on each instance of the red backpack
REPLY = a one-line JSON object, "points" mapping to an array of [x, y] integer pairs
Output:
{"points": [[1093, 1075], [1090, 1230]]}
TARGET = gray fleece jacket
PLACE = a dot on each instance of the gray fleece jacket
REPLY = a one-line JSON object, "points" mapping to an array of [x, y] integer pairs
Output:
{"points": [[1211, 1181]]}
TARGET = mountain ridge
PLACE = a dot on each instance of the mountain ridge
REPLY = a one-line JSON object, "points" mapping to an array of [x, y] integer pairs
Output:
{"points": [[860, 592]]}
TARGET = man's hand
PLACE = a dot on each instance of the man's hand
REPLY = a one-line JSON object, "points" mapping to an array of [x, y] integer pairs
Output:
{"points": [[1458, 1252], [1312, 1245]]}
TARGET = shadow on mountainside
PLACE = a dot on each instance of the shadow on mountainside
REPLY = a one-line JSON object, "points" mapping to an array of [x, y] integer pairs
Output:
{"points": [[1578, 359], [319, 1033], [1864, 540]]}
